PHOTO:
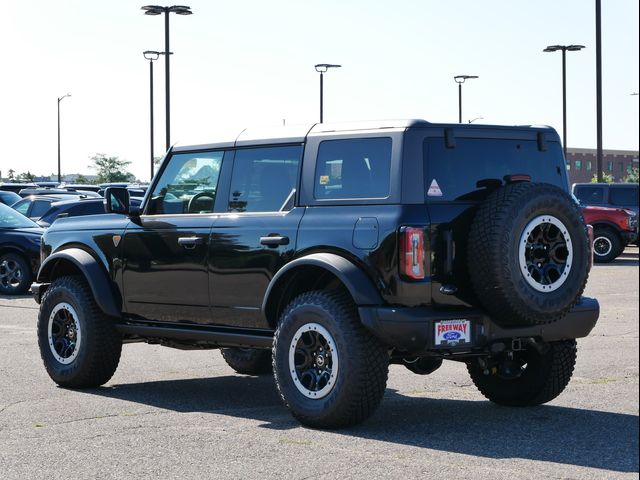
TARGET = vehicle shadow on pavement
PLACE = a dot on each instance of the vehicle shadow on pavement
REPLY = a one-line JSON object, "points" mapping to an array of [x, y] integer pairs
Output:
{"points": [[628, 258], [547, 433]]}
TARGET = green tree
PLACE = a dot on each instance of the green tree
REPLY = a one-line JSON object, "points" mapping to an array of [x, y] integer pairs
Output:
{"points": [[81, 179], [633, 176], [11, 174], [28, 176], [110, 169], [606, 178]]}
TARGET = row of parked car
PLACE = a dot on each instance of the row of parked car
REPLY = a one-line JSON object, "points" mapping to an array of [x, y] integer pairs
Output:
{"points": [[27, 209]]}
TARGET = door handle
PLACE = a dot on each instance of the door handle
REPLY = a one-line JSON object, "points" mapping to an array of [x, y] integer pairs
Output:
{"points": [[274, 240], [190, 242]]}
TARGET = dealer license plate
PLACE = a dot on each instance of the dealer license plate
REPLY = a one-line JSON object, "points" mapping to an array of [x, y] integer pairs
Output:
{"points": [[452, 333]]}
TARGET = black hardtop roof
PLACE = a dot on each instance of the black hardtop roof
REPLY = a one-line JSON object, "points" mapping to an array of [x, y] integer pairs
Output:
{"points": [[299, 133]]}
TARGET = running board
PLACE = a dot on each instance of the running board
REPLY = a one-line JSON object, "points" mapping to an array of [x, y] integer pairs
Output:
{"points": [[197, 336]]}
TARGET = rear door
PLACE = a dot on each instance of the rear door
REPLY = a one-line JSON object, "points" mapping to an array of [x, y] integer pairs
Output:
{"points": [[165, 250], [452, 172], [255, 234]]}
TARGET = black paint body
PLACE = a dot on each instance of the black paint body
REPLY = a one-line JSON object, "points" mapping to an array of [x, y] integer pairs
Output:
{"points": [[225, 281]]}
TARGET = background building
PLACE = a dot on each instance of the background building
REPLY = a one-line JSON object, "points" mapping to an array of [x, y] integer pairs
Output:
{"points": [[582, 163]]}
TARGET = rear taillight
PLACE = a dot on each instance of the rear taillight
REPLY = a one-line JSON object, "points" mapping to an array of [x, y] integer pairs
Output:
{"points": [[412, 252]]}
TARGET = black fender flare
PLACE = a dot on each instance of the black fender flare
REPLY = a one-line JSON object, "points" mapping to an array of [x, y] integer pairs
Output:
{"points": [[93, 273], [359, 285]]}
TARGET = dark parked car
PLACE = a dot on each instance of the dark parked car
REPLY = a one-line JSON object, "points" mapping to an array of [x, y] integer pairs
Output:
{"points": [[76, 208], [80, 187], [135, 189], [9, 198], [34, 206], [324, 253], [19, 251], [16, 187], [56, 191]]}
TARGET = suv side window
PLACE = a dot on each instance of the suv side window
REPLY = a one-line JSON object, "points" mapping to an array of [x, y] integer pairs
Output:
{"points": [[624, 196], [590, 195], [264, 179], [188, 184], [39, 208], [23, 208], [353, 168]]}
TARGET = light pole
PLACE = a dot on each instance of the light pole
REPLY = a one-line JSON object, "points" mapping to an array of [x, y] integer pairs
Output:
{"points": [[477, 118], [322, 68], [152, 56], [564, 49], [157, 10], [599, 152], [59, 100], [460, 79]]}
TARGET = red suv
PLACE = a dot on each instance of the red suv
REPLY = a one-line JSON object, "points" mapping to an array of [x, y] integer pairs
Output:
{"points": [[613, 229]]}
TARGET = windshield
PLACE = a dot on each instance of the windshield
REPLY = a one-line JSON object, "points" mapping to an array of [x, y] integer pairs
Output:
{"points": [[9, 218]]}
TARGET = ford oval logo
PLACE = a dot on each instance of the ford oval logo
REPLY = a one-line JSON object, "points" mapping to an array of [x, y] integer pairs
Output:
{"points": [[451, 336]]}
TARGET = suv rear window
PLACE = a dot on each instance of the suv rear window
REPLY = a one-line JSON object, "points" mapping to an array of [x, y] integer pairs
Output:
{"points": [[353, 168], [623, 196], [453, 173]]}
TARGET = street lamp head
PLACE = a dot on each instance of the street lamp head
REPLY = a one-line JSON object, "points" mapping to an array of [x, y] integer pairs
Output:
{"points": [[152, 9], [180, 10], [571, 48], [63, 97], [462, 78], [151, 55], [323, 67]]}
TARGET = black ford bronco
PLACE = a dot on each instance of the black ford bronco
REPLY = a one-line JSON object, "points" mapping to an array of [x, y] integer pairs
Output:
{"points": [[326, 253]]}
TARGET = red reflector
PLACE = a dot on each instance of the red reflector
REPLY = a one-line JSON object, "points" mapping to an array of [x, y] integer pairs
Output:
{"points": [[412, 252]]}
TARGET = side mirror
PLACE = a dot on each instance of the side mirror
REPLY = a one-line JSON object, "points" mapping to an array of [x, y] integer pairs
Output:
{"points": [[116, 200]]}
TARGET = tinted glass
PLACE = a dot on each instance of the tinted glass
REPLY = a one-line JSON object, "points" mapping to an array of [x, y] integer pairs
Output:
{"points": [[188, 184], [9, 218], [264, 179], [23, 206], [9, 198], [452, 173], [353, 168], [590, 195], [39, 208], [624, 197]]}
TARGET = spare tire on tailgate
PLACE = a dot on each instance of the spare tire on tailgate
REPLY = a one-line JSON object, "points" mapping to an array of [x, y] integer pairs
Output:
{"points": [[528, 254]]}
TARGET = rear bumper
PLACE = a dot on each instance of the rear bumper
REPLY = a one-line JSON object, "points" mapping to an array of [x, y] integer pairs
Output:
{"points": [[413, 329]]}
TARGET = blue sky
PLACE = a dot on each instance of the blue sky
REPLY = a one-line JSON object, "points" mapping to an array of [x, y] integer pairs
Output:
{"points": [[248, 63]]}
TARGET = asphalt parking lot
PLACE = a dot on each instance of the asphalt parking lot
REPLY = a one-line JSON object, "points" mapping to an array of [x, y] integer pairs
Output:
{"points": [[173, 414]]}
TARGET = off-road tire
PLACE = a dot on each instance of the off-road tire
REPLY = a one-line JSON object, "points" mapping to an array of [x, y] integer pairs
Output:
{"points": [[544, 378], [494, 255], [100, 346], [248, 361], [12, 266], [606, 235], [361, 378]]}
